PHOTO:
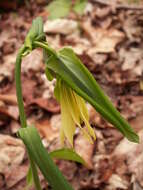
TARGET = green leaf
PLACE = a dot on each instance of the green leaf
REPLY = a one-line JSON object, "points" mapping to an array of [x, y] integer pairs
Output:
{"points": [[48, 74], [67, 154], [59, 8], [69, 67], [43, 160], [29, 178], [79, 6], [35, 33]]}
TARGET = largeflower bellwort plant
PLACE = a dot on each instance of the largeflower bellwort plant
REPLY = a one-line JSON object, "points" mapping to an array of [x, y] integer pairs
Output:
{"points": [[75, 85]]}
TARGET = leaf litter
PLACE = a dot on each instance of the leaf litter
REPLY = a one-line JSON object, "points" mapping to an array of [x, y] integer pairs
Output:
{"points": [[108, 38]]}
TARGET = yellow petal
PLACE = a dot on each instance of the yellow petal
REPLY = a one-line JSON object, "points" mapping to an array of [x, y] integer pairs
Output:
{"points": [[90, 129], [86, 135], [82, 106], [72, 106], [68, 124], [85, 116]]}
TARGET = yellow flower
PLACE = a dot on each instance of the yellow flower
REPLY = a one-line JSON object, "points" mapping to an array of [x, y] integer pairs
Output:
{"points": [[73, 113]]}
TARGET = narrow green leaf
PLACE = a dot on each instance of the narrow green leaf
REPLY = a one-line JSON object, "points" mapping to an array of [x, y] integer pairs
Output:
{"points": [[79, 6], [67, 154], [43, 160], [59, 8], [29, 178], [68, 66]]}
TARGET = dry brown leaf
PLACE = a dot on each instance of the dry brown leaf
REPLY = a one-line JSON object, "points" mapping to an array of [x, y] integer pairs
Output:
{"points": [[137, 122], [134, 156], [50, 105], [132, 59], [85, 149], [10, 111], [116, 182], [54, 42], [33, 61], [102, 169], [15, 175], [104, 40], [79, 44], [47, 130], [14, 126], [48, 87], [131, 26], [6, 70], [11, 152], [9, 98], [102, 13], [60, 26], [67, 168], [28, 88]]}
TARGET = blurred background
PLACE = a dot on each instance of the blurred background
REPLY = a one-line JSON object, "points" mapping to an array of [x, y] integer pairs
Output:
{"points": [[107, 35]]}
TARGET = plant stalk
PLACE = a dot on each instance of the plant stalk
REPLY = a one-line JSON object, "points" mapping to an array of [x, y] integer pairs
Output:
{"points": [[22, 112]]}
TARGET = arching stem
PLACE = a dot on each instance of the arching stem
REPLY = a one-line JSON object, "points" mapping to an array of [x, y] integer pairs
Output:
{"points": [[22, 113]]}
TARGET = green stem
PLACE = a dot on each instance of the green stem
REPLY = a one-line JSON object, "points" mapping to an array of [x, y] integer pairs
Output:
{"points": [[45, 46], [35, 174], [18, 87], [22, 113]]}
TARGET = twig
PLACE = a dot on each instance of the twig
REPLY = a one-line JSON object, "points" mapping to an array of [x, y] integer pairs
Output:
{"points": [[119, 6]]}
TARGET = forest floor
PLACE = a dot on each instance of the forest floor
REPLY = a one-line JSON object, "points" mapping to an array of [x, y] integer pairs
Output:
{"points": [[109, 40]]}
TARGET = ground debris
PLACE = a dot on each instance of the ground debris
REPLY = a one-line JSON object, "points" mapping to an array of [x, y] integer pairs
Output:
{"points": [[108, 38]]}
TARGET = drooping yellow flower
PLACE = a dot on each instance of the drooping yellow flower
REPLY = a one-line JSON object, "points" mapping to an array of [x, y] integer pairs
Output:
{"points": [[73, 113]]}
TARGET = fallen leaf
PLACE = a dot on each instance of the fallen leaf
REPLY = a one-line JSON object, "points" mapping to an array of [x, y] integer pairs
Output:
{"points": [[33, 61], [15, 175], [102, 169], [47, 130], [10, 111], [48, 87], [9, 98], [132, 59], [131, 27], [14, 126], [28, 88], [85, 149], [61, 26], [133, 155], [50, 105], [7, 67], [102, 12], [68, 168], [104, 40], [12, 152], [116, 182]]}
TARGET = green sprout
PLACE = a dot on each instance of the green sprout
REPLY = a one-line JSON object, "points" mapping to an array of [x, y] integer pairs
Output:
{"points": [[75, 85]]}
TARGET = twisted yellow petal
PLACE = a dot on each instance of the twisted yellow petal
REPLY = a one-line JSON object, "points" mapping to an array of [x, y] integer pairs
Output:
{"points": [[73, 112]]}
